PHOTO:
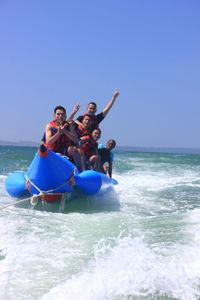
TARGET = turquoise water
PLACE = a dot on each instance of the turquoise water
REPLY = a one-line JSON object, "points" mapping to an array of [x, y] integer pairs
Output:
{"points": [[147, 247]]}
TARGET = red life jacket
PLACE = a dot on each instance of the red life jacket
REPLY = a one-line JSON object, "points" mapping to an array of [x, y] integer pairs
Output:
{"points": [[62, 143], [82, 131], [94, 124], [89, 147]]}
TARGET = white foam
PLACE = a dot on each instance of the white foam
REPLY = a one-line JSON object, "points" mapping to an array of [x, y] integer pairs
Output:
{"points": [[132, 268], [80, 256]]}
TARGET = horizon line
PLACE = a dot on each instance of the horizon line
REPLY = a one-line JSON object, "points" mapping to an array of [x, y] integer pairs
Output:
{"points": [[31, 143]]}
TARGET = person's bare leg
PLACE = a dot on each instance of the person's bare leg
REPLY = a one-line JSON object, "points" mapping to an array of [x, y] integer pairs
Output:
{"points": [[76, 157], [94, 162]]}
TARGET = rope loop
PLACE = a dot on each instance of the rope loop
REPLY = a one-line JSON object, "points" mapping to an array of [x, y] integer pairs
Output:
{"points": [[34, 198], [70, 182]]}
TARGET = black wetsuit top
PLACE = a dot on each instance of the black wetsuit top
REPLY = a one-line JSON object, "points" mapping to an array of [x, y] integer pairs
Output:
{"points": [[105, 155]]}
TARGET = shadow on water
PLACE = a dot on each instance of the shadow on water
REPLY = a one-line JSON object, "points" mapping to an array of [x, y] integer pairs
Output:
{"points": [[78, 202]]}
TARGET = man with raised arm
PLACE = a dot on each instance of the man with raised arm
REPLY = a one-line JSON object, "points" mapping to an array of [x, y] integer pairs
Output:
{"points": [[91, 110]]}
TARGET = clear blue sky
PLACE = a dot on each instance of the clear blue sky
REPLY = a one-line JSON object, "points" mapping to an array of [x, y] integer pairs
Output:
{"points": [[63, 52]]}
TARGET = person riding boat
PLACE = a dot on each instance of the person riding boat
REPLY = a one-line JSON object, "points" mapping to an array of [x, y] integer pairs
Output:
{"points": [[106, 157], [83, 128], [60, 138], [89, 149], [69, 120], [91, 110]]}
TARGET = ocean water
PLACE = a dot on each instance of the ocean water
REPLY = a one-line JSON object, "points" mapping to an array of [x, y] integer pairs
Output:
{"points": [[143, 242]]}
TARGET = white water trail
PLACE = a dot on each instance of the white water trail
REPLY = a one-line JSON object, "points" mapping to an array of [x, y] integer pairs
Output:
{"points": [[131, 268]]}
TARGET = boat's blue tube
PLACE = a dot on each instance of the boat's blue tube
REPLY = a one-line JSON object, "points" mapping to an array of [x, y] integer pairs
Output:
{"points": [[16, 184], [52, 173], [92, 182]]}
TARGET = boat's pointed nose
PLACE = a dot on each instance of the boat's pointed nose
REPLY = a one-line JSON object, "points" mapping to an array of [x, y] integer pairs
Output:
{"points": [[48, 171], [43, 151]]}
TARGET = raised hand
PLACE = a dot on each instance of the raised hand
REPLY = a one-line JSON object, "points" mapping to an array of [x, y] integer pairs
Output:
{"points": [[115, 93], [77, 107]]}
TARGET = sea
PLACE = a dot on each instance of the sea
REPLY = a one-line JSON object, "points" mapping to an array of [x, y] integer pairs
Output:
{"points": [[141, 242]]}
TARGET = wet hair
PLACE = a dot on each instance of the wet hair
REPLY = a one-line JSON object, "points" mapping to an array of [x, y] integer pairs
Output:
{"points": [[59, 107], [113, 141], [93, 103]]}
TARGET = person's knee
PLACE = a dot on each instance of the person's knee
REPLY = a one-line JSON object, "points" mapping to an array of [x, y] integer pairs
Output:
{"points": [[70, 150], [93, 157]]}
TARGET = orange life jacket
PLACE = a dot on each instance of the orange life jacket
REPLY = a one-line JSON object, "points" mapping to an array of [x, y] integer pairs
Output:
{"points": [[81, 131], [62, 143], [89, 147]]}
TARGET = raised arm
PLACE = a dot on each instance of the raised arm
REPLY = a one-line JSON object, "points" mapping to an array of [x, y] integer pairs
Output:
{"points": [[111, 102], [78, 122], [76, 108]]}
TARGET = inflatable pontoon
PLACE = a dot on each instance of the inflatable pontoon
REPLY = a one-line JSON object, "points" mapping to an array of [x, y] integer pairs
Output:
{"points": [[50, 177]]}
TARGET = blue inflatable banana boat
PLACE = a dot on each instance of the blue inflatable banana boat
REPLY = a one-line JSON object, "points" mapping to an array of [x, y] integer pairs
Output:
{"points": [[50, 176]]}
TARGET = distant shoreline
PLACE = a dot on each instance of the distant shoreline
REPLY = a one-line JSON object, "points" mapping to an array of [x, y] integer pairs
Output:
{"points": [[118, 148], [19, 144]]}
